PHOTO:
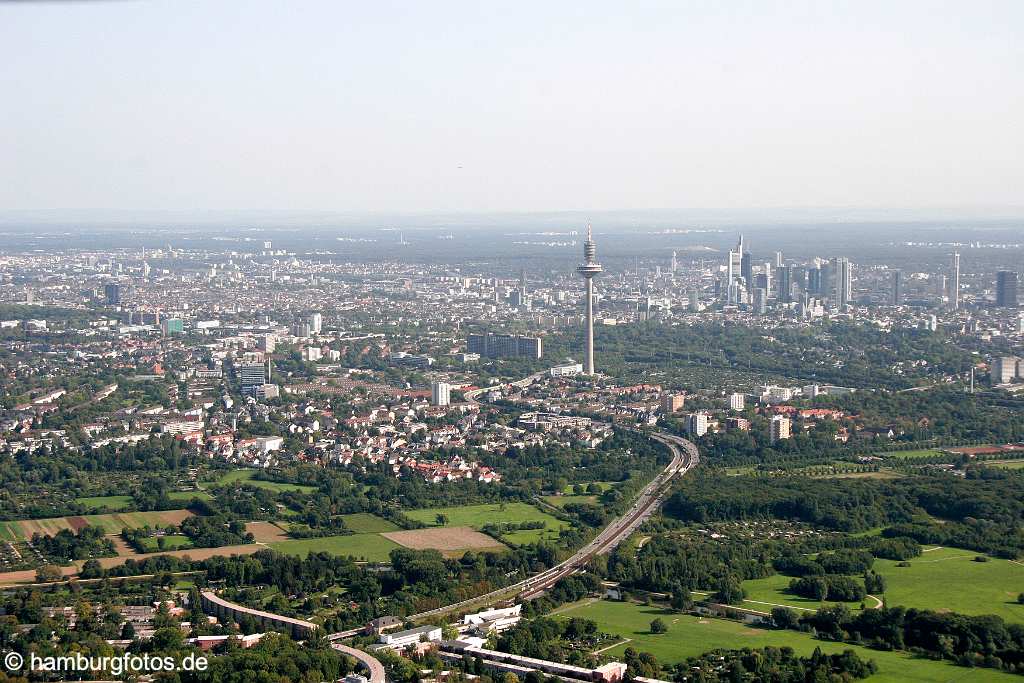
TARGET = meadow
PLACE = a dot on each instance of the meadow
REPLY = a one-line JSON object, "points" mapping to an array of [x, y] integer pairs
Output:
{"points": [[247, 476], [689, 636], [369, 547], [478, 516], [115, 503], [943, 579]]}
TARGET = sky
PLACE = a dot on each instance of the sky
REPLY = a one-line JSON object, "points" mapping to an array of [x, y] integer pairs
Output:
{"points": [[510, 106]]}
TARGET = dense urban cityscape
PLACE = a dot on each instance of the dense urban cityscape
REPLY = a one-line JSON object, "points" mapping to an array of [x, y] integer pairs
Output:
{"points": [[423, 466], [511, 342]]}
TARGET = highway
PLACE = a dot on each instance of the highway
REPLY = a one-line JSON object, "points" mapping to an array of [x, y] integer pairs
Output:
{"points": [[684, 457]]}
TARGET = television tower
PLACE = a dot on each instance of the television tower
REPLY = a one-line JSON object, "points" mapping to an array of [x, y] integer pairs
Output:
{"points": [[588, 269]]}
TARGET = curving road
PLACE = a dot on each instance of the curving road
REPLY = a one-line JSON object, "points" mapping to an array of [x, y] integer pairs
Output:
{"points": [[374, 666]]}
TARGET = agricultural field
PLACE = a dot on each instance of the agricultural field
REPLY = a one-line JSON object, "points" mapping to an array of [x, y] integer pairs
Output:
{"points": [[478, 516], [116, 503], [110, 523], [451, 541], [247, 476], [365, 523], [369, 547], [689, 636], [266, 532]]}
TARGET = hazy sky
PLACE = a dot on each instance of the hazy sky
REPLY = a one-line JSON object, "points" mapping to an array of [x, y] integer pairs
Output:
{"points": [[479, 106]]}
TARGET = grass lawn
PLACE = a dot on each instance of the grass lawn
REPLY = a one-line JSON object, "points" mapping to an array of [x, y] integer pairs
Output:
{"points": [[1006, 464], [950, 579], [370, 547], [689, 636], [911, 455], [605, 485], [247, 476], [186, 496], [772, 589], [365, 523], [115, 503], [562, 501], [171, 542], [477, 516]]}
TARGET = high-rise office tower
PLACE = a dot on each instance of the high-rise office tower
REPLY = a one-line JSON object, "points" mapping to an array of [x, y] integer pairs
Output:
{"points": [[316, 323], [785, 274], [897, 287], [954, 282], [1006, 289], [843, 277], [675, 262], [778, 259], [747, 270], [588, 270], [112, 291]]}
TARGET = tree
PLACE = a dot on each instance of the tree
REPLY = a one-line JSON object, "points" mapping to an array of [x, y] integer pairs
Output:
{"points": [[729, 592], [681, 600], [783, 617], [48, 573], [441, 519], [659, 626]]}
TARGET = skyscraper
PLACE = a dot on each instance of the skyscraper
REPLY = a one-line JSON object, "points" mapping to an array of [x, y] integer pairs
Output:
{"points": [[1006, 289], [954, 282], [897, 287], [112, 292], [843, 278], [588, 269], [785, 275]]}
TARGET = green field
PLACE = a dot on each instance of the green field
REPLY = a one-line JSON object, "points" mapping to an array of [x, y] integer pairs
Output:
{"points": [[763, 594], [1006, 465], [115, 503], [605, 485], [689, 636], [247, 476], [562, 501], [911, 455], [370, 547], [186, 496], [946, 579], [171, 542], [477, 516], [950, 579], [365, 523], [111, 523]]}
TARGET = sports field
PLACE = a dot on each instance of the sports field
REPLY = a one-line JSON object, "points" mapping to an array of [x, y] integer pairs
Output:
{"points": [[689, 636], [110, 523], [247, 476], [369, 547], [477, 516]]}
